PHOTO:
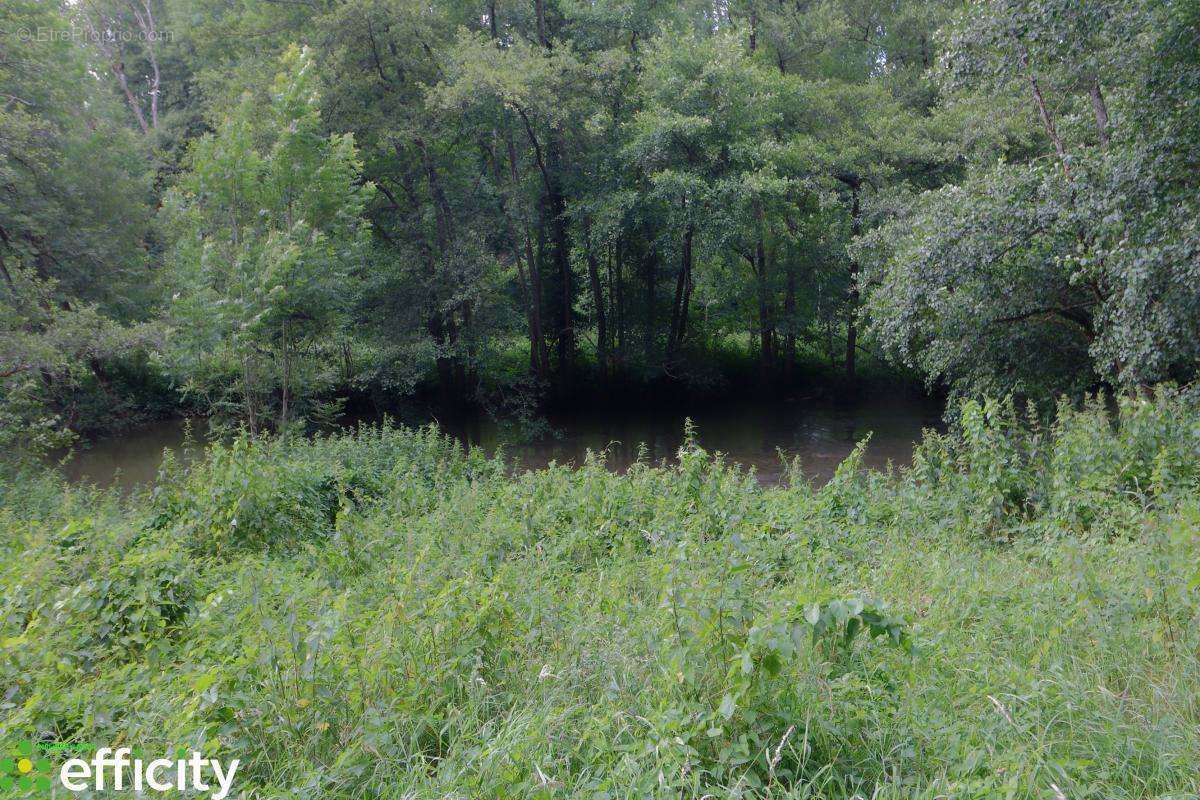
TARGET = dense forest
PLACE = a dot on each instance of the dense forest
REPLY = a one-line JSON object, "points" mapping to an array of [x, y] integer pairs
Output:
{"points": [[260, 209], [280, 220]]}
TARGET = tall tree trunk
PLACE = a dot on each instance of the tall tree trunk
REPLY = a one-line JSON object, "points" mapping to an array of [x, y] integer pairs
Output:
{"points": [[149, 28], [829, 349], [12, 289], [558, 215], [598, 303], [531, 282], [855, 185], [789, 339], [441, 207], [539, 9], [248, 395], [613, 316], [347, 362], [764, 314], [535, 309], [118, 69], [682, 296], [765, 337], [649, 274], [114, 53], [619, 305], [441, 324], [461, 365], [557, 212]]}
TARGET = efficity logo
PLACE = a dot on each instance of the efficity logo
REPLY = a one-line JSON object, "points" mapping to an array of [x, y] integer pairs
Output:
{"points": [[27, 768], [32, 767]]}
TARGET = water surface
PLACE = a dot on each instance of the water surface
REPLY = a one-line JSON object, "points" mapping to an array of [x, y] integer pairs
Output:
{"points": [[752, 434]]}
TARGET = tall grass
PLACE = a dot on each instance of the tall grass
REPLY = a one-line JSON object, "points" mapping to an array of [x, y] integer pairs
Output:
{"points": [[383, 615]]}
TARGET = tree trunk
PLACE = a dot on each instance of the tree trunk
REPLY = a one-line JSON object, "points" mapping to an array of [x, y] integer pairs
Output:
{"points": [[347, 362], [619, 310], [118, 69], [598, 302], [12, 289], [650, 273], [682, 296], [764, 318], [829, 350], [766, 354], [789, 311], [149, 30], [531, 284], [539, 7], [558, 222], [440, 324], [556, 210], [852, 313], [1043, 110], [248, 395], [535, 309], [441, 207]]}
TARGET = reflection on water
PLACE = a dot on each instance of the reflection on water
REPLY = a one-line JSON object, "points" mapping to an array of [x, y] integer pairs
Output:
{"points": [[751, 434], [132, 458]]}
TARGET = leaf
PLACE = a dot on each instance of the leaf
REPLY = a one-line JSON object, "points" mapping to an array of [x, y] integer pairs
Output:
{"points": [[728, 706], [204, 681]]}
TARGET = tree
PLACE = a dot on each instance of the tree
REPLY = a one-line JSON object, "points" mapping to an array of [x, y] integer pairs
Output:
{"points": [[1077, 261], [125, 32], [74, 224], [268, 243]]}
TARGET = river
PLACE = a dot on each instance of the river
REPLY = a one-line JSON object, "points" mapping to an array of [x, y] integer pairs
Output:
{"points": [[751, 433]]}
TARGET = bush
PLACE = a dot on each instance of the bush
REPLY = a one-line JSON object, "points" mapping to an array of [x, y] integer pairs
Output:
{"points": [[1003, 470], [246, 496]]}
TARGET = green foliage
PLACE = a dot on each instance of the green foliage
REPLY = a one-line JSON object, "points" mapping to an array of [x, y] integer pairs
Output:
{"points": [[518, 199], [73, 228], [396, 617], [267, 241], [142, 599], [1092, 468], [248, 496], [1068, 252], [252, 501]]}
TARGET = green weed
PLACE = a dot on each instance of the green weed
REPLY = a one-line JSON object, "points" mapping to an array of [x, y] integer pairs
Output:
{"points": [[381, 614]]}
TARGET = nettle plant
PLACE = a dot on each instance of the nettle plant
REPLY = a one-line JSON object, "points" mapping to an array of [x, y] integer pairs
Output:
{"points": [[740, 669]]}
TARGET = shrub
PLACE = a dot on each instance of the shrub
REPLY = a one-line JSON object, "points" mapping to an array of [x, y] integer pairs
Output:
{"points": [[246, 496], [138, 602]]}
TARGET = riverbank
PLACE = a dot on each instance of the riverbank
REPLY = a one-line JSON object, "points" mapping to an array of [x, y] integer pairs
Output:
{"points": [[765, 434], [386, 615]]}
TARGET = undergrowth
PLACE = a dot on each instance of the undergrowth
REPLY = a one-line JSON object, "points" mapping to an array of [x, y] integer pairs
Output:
{"points": [[380, 614]]}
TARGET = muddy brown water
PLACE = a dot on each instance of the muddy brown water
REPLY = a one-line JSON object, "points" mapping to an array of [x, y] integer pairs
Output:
{"points": [[752, 434]]}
